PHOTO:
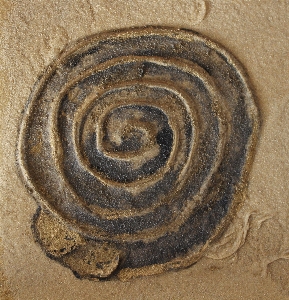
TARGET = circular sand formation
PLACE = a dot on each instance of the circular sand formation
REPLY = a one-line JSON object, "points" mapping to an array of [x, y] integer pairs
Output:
{"points": [[139, 143]]}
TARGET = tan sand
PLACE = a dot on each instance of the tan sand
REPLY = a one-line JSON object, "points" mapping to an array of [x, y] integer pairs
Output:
{"points": [[251, 260]]}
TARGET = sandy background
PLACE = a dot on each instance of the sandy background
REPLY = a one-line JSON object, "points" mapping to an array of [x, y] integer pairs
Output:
{"points": [[251, 259]]}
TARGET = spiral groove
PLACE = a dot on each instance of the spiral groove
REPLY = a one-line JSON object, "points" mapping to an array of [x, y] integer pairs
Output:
{"points": [[141, 140]]}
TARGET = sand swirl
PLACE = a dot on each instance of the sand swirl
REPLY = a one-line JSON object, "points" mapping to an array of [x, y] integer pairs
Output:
{"points": [[140, 142]]}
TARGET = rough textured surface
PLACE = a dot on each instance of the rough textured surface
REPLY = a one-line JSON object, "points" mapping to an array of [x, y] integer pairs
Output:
{"points": [[141, 139], [253, 253]]}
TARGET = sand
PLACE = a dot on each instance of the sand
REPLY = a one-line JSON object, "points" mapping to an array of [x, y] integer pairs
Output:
{"points": [[250, 261]]}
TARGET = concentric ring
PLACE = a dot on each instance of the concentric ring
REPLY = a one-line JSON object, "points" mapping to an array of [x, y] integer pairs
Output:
{"points": [[142, 139]]}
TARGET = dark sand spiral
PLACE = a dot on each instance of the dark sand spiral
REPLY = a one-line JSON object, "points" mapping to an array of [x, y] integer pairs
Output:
{"points": [[137, 144]]}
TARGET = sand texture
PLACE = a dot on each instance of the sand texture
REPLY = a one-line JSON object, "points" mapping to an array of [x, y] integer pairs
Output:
{"points": [[251, 259]]}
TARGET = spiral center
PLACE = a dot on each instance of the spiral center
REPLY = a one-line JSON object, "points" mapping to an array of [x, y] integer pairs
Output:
{"points": [[129, 143], [128, 132]]}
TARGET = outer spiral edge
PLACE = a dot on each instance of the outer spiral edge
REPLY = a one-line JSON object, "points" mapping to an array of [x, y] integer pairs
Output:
{"points": [[240, 190]]}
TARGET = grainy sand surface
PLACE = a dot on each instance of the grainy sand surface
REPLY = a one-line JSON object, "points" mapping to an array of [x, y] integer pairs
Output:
{"points": [[250, 261]]}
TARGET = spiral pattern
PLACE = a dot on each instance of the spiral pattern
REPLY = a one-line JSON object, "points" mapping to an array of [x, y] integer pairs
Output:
{"points": [[141, 139]]}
